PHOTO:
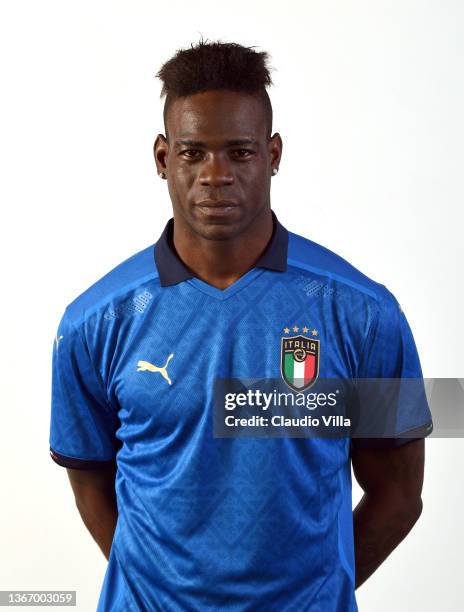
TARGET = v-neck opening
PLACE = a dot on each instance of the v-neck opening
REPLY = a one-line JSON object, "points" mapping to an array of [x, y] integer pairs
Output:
{"points": [[223, 294]]}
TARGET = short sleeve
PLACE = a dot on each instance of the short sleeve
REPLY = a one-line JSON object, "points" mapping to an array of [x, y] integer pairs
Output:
{"points": [[83, 425], [391, 403]]}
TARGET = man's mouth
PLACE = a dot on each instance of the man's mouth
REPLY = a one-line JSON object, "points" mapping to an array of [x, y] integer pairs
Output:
{"points": [[217, 207]]}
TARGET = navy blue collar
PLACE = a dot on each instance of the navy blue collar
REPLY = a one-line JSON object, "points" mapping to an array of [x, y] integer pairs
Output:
{"points": [[172, 270]]}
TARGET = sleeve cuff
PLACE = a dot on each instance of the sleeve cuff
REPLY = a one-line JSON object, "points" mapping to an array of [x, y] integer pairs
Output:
{"points": [[79, 464], [418, 433]]}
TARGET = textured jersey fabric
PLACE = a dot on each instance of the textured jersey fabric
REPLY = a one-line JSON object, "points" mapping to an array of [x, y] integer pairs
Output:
{"points": [[208, 523]]}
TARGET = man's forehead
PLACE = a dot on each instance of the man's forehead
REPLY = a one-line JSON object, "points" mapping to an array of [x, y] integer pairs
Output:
{"points": [[229, 114]]}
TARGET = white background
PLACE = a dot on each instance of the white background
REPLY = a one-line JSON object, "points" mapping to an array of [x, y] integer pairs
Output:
{"points": [[368, 98]]}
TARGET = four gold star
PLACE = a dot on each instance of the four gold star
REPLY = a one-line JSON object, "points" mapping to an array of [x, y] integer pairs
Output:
{"points": [[304, 329]]}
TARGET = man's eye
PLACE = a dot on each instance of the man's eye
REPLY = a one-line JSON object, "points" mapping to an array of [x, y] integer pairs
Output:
{"points": [[191, 153], [243, 152]]}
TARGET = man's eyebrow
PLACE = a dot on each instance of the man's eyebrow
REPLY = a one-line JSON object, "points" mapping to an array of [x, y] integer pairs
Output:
{"points": [[228, 143]]}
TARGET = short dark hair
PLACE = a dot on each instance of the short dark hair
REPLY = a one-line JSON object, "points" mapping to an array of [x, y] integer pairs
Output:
{"points": [[208, 66]]}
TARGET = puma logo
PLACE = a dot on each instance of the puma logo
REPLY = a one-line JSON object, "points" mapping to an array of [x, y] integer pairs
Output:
{"points": [[142, 366]]}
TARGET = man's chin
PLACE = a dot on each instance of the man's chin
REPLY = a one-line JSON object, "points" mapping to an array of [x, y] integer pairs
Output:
{"points": [[218, 231], [213, 226]]}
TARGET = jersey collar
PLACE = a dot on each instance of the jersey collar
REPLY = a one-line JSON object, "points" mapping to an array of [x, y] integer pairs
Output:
{"points": [[172, 270]]}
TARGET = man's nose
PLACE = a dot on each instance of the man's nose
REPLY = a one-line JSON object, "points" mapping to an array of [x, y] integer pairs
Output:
{"points": [[216, 171]]}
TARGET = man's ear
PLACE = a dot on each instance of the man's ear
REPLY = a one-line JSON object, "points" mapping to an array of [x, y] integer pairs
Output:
{"points": [[160, 152], [275, 149]]}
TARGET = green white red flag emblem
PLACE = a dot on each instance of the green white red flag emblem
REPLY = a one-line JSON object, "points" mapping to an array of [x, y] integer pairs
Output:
{"points": [[299, 358]]}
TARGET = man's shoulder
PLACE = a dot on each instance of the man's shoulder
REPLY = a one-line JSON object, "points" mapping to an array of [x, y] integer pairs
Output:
{"points": [[319, 261], [125, 279]]}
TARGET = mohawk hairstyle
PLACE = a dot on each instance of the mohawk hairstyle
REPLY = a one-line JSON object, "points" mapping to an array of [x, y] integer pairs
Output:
{"points": [[216, 65]]}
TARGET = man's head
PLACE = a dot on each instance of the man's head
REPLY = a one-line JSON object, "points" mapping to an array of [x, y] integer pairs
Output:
{"points": [[218, 145]]}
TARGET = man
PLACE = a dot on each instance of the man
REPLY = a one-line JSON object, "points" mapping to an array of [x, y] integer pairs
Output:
{"points": [[187, 519]]}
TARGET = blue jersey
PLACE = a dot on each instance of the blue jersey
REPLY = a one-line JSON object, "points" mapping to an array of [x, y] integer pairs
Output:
{"points": [[210, 523]]}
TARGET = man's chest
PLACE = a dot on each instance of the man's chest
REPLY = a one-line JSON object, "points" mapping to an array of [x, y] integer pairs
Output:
{"points": [[164, 365]]}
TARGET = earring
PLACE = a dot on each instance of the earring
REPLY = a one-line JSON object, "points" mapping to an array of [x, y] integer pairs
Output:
{"points": [[274, 171], [161, 174]]}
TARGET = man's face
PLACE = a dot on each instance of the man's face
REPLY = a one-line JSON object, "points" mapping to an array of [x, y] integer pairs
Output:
{"points": [[218, 162]]}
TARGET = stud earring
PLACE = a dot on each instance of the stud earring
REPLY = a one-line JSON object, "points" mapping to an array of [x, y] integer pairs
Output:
{"points": [[274, 171], [161, 174]]}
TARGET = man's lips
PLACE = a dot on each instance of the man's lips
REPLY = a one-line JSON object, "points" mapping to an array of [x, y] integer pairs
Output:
{"points": [[216, 203], [217, 208]]}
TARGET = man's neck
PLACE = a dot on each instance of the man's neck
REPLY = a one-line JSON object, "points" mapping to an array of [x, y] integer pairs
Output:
{"points": [[222, 262]]}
